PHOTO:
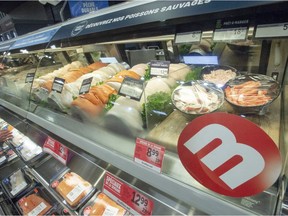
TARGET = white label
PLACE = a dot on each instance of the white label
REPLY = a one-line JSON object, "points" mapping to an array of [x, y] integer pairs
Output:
{"points": [[18, 188], [75, 192], [159, 68], [109, 60], [110, 211], [272, 30], [230, 34], [148, 165], [188, 37], [37, 209], [3, 158]]}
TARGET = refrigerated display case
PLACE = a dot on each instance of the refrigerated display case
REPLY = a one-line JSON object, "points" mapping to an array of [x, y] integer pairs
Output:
{"points": [[104, 130]]}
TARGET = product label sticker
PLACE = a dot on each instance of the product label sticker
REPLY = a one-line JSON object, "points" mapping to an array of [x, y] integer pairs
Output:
{"points": [[110, 211], [37, 209], [188, 37], [131, 88], [159, 68], [149, 154], [58, 84], [135, 202], [29, 77], [75, 192], [18, 188], [57, 150], [2, 159], [85, 86]]}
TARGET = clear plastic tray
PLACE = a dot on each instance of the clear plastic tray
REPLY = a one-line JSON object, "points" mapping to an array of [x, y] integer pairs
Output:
{"points": [[15, 188], [103, 208], [70, 198], [44, 203]]}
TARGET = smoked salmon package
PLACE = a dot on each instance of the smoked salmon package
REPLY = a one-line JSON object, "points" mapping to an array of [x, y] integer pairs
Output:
{"points": [[17, 183], [101, 204], [37, 202], [72, 189]]}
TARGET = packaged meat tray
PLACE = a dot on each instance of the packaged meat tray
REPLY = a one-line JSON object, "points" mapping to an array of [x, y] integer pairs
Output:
{"points": [[3, 158], [17, 183], [11, 155], [18, 138], [36, 202], [29, 150], [101, 204], [6, 205], [73, 189]]}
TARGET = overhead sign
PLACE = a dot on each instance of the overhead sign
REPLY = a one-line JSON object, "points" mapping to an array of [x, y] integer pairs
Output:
{"points": [[35, 39], [81, 7], [153, 11], [6, 46], [229, 155]]}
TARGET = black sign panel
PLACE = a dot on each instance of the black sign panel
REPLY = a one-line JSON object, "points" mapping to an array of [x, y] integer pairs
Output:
{"points": [[85, 87], [29, 77], [58, 84], [132, 88]]}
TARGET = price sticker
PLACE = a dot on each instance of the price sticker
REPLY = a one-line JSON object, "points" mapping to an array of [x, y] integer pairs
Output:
{"points": [[29, 77], [37, 209], [131, 88], [57, 150], [159, 68], [272, 30], [75, 192], [188, 37], [85, 86], [149, 154], [2, 159], [134, 201], [230, 34], [58, 84], [18, 188]]}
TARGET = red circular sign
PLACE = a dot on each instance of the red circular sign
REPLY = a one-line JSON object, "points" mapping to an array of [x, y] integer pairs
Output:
{"points": [[229, 154]]}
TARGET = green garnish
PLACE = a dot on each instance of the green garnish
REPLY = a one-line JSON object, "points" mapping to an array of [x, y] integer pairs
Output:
{"points": [[157, 108], [111, 101], [194, 74]]}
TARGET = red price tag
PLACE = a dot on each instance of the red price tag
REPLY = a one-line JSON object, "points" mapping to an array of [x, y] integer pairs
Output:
{"points": [[149, 154], [56, 149], [135, 202]]}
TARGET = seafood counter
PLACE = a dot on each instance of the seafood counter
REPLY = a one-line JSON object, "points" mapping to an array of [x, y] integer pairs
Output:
{"points": [[166, 105]]}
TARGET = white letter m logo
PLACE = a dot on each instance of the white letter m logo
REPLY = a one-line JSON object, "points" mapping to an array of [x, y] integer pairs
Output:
{"points": [[252, 161]]}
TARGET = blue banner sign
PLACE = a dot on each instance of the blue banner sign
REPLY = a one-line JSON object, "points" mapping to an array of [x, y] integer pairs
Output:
{"points": [[154, 11], [80, 7], [5, 46], [35, 39]]}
